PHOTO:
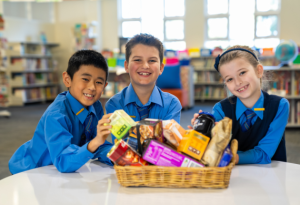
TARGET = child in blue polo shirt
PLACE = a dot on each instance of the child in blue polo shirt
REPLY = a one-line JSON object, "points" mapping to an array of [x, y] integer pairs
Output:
{"points": [[258, 119], [71, 131], [142, 98]]}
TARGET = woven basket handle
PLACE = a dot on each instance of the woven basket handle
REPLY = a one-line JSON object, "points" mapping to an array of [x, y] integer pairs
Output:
{"points": [[234, 148]]}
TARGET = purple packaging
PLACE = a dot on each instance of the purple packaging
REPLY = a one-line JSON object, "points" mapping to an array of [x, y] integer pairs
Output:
{"points": [[226, 157], [161, 155]]}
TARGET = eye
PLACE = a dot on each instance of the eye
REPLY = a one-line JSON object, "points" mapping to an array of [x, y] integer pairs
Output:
{"points": [[243, 72], [85, 79], [137, 60], [153, 61], [228, 80], [99, 83]]}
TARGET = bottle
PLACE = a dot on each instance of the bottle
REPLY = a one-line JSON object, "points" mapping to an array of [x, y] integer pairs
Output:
{"points": [[204, 123]]}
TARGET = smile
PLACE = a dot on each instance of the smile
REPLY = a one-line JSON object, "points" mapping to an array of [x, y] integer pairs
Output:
{"points": [[88, 95], [144, 74], [243, 88]]}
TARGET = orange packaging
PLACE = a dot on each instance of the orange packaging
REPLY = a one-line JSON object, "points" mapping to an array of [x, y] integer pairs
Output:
{"points": [[173, 132], [193, 144]]}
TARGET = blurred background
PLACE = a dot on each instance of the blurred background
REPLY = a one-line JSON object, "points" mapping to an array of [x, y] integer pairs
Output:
{"points": [[37, 37]]}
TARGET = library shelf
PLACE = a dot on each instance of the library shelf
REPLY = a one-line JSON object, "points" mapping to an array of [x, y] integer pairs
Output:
{"points": [[208, 83], [34, 86]]}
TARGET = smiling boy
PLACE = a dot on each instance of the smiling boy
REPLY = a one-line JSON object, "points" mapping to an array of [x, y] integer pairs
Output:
{"points": [[71, 130], [142, 98]]}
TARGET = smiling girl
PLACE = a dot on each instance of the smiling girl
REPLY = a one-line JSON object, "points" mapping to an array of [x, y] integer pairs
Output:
{"points": [[258, 119]]}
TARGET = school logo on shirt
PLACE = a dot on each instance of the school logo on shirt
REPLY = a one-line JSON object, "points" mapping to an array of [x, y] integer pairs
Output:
{"points": [[259, 109], [132, 116]]}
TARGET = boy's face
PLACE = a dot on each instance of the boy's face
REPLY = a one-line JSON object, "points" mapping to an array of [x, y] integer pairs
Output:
{"points": [[144, 65], [87, 84]]}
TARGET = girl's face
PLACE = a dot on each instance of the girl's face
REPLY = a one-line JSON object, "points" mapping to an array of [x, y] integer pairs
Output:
{"points": [[242, 79]]}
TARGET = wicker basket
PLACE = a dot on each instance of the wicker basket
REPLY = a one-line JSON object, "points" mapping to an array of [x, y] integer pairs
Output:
{"points": [[178, 177]]}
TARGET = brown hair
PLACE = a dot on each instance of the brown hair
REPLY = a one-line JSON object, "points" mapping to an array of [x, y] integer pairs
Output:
{"points": [[145, 39]]}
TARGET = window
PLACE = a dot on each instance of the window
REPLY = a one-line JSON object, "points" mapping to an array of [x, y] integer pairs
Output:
{"points": [[251, 22], [163, 19]]}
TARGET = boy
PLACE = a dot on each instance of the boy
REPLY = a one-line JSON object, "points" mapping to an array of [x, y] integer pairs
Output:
{"points": [[69, 134], [142, 98]]}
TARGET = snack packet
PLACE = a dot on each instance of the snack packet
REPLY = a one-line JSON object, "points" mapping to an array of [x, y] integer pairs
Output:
{"points": [[122, 154], [221, 135], [173, 132], [121, 123]]}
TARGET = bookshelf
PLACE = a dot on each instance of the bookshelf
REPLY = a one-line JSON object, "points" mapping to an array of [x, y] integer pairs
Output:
{"points": [[283, 81], [32, 73]]}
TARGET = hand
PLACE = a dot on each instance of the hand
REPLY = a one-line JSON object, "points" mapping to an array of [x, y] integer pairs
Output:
{"points": [[193, 120], [103, 130], [237, 158]]}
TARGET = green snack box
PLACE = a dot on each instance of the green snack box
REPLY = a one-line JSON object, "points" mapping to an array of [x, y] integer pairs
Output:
{"points": [[121, 123]]}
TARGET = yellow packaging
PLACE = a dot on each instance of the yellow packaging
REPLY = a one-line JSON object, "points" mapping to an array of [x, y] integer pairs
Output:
{"points": [[193, 144]]}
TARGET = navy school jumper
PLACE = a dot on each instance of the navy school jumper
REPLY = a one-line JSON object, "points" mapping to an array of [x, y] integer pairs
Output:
{"points": [[249, 139]]}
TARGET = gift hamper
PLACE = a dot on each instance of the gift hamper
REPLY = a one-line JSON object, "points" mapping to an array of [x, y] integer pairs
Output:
{"points": [[192, 173]]}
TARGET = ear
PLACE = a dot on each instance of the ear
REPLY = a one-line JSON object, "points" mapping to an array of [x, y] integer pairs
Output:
{"points": [[66, 79], [126, 66], [105, 85], [161, 70], [260, 70]]}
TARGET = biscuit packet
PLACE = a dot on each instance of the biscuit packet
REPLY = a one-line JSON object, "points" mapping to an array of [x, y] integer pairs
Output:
{"points": [[173, 132], [220, 137], [149, 129]]}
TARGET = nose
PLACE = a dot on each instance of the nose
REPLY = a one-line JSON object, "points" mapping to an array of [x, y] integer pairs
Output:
{"points": [[91, 85], [238, 81], [145, 65]]}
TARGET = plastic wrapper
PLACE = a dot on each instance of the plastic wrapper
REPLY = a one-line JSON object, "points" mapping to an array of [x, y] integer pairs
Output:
{"points": [[226, 157], [221, 135], [173, 132]]}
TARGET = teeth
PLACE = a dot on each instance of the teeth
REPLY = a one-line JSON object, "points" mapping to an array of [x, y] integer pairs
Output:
{"points": [[241, 89], [88, 95], [144, 73]]}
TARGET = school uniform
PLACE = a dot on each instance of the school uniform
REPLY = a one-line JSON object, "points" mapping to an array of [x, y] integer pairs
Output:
{"points": [[162, 105], [264, 140], [59, 138]]}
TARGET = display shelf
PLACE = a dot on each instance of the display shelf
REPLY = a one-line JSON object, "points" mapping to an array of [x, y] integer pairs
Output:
{"points": [[33, 71], [35, 86], [208, 83]]}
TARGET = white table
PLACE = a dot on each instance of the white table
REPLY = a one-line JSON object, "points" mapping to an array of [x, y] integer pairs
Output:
{"points": [[96, 183]]}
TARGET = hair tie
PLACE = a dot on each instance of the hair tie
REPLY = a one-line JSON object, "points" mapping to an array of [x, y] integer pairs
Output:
{"points": [[218, 58]]}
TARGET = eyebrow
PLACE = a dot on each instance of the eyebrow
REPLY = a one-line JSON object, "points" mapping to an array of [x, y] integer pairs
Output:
{"points": [[237, 71], [89, 75], [141, 57]]}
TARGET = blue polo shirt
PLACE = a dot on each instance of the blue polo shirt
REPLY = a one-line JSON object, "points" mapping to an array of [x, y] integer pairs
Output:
{"points": [[57, 138], [267, 146], [165, 106]]}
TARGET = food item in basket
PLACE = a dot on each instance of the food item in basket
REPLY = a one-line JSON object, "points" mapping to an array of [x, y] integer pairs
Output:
{"points": [[122, 154], [173, 132], [149, 129], [204, 123], [131, 139], [161, 155], [121, 123], [193, 144], [221, 135], [226, 157]]}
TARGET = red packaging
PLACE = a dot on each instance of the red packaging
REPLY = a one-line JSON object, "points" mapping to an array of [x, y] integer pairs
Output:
{"points": [[122, 154]]}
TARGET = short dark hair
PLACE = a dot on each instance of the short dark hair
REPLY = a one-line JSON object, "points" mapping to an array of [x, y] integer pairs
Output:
{"points": [[86, 57], [145, 39]]}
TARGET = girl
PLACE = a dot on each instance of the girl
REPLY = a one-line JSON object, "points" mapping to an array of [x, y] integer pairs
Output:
{"points": [[258, 119]]}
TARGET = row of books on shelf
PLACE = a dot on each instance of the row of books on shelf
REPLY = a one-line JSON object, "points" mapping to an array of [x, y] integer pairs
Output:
{"points": [[210, 92], [27, 95], [297, 116], [28, 49], [206, 76], [114, 87], [34, 79], [33, 64]]}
